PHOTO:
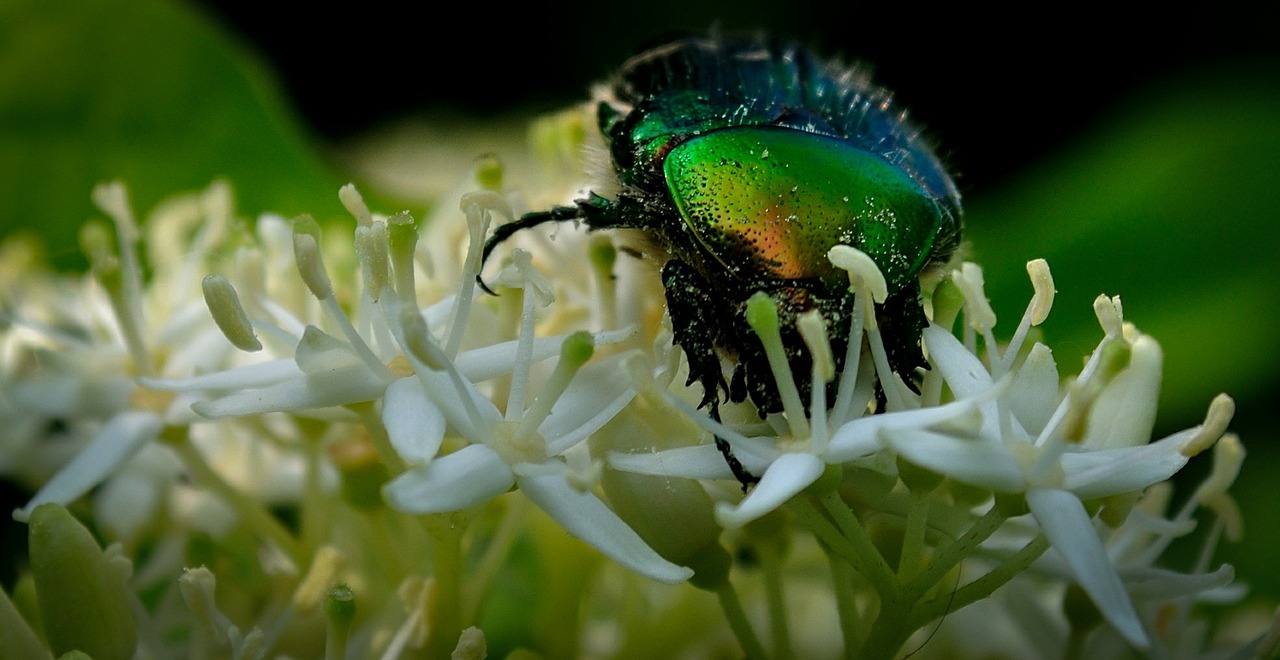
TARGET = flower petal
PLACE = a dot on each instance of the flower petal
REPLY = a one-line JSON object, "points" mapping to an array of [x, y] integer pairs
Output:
{"points": [[414, 423], [979, 461], [124, 435], [1125, 410], [1091, 474], [469, 476], [324, 389], [789, 474], [962, 370], [594, 397], [1066, 524], [583, 515], [696, 462], [1033, 395]]}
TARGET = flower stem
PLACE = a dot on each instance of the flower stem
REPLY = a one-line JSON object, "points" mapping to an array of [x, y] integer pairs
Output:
{"points": [[842, 582], [771, 558], [955, 552], [249, 511], [984, 586], [446, 619], [913, 537], [738, 621]]}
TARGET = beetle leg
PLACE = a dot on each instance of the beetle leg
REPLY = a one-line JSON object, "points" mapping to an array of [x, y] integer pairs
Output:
{"points": [[902, 320], [693, 318]]}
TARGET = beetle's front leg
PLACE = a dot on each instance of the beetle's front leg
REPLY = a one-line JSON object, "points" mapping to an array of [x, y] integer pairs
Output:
{"points": [[695, 314]]}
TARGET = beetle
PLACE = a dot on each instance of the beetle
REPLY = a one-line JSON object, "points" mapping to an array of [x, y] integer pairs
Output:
{"points": [[746, 159]]}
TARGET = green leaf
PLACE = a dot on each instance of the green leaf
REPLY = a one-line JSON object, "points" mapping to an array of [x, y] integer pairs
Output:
{"points": [[1172, 206], [147, 91]]}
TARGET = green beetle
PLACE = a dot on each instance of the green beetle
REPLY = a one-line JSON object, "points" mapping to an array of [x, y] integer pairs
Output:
{"points": [[747, 159]]}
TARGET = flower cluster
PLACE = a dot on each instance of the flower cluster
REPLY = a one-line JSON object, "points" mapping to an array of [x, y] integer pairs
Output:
{"points": [[282, 436]]}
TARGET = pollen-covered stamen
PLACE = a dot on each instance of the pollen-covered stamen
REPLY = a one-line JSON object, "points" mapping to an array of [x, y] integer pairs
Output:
{"points": [[574, 352], [813, 329], [119, 272], [535, 291], [354, 203], [227, 313], [762, 316], [1110, 315], [372, 253], [1037, 312], [869, 287], [306, 250], [479, 207], [402, 241], [979, 316], [1221, 410]]}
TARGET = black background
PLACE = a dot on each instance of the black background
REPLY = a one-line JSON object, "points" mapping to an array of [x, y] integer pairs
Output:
{"points": [[995, 90]]}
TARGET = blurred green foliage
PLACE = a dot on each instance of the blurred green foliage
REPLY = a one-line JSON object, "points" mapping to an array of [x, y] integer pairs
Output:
{"points": [[146, 91]]}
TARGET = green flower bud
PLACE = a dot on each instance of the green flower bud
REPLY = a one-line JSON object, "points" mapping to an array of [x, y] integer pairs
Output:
{"points": [[81, 592]]}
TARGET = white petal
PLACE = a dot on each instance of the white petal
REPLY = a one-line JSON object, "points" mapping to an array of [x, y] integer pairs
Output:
{"points": [[1067, 526], [470, 417], [1034, 393], [962, 370], [1162, 584], [697, 462], [790, 474], [583, 515], [1091, 474], [414, 423], [124, 435], [594, 396], [481, 364], [246, 377], [469, 476], [1125, 410], [978, 461], [860, 437], [338, 387]]}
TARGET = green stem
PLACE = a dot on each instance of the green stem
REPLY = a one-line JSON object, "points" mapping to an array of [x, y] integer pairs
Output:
{"points": [[984, 586], [875, 568], [771, 559], [842, 582], [446, 621], [738, 622], [495, 555], [955, 552], [913, 537], [265, 524]]}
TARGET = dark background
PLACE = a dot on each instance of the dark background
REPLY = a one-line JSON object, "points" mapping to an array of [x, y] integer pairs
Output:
{"points": [[995, 91]]}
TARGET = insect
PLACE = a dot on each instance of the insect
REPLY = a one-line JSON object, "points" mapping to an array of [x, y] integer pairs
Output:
{"points": [[746, 159]]}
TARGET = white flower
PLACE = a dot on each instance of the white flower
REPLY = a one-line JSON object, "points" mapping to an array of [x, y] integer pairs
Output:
{"points": [[529, 448]]}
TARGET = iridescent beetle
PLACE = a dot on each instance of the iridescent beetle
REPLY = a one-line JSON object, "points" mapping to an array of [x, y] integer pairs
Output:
{"points": [[746, 159]]}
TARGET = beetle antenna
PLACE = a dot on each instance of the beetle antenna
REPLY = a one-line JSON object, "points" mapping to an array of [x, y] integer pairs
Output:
{"points": [[527, 221]]}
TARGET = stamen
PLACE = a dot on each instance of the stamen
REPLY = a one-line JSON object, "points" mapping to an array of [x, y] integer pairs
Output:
{"points": [[354, 203], [315, 585], [306, 252], [479, 207], [981, 318], [372, 253], [122, 276], [525, 271], [574, 352], [762, 316], [813, 329], [1037, 312], [1110, 315], [1221, 410], [602, 255], [228, 315], [402, 241]]}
